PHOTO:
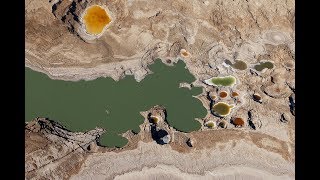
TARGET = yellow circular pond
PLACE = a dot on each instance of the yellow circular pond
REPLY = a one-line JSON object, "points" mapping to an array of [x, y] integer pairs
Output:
{"points": [[95, 19]]}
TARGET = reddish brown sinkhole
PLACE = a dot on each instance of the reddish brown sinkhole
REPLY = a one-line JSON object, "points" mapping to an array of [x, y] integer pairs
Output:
{"points": [[238, 121], [223, 94], [234, 94]]}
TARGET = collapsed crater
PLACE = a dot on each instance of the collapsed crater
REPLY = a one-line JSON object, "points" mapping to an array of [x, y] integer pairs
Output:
{"points": [[95, 19], [88, 20]]}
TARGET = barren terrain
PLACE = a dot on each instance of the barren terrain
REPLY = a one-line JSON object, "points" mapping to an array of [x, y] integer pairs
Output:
{"points": [[211, 31]]}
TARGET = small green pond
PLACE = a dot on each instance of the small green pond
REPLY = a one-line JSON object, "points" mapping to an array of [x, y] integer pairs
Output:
{"points": [[221, 108], [115, 106], [240, 65], [221, 81], [263, 65]]}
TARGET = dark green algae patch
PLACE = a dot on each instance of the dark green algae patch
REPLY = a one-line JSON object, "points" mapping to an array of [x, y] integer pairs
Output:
{"points": [[240, 65], [114, 106], [263, 65], [221, 81]]}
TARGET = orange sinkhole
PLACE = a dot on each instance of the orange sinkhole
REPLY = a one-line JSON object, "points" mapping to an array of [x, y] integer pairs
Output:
{"points": [[95, 19]]}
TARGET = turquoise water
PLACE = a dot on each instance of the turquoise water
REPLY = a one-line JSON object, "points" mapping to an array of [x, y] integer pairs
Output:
{"points": [[114, 106]]}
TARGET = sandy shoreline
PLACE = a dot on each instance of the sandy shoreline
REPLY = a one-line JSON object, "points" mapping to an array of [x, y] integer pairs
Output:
{"points": [[222, 173], [224, 161]]}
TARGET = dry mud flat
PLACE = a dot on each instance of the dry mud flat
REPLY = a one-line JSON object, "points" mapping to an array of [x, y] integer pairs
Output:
{"points": [[151, 161], [211, 31], [227, 173], [144, 30]]}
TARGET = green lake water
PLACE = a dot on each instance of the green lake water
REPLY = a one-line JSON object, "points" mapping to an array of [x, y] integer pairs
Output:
{"points": [[114, 106]]}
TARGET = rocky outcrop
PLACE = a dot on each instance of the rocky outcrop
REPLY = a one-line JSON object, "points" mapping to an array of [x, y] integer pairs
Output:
{"points": [[53, 152]]}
